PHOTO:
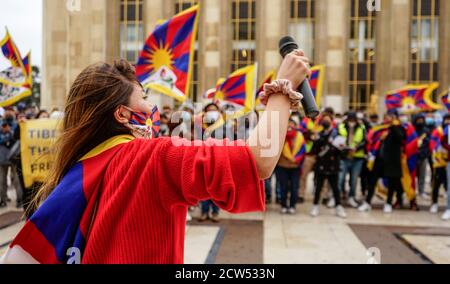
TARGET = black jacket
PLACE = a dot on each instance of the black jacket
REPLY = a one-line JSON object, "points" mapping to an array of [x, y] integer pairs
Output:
{"points": [[391, 152], [328, 156]]}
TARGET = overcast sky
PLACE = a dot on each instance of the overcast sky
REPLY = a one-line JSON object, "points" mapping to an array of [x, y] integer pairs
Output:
{"points": [[24, 21]]}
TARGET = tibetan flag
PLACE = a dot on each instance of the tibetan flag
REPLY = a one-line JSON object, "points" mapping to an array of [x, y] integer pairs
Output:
{"points": [[165, 63], [409, 161], [445, 100], [306, 124], [27, 64], [439, 154], [211, 93], [375, 138], [412, 99], [316, 82], [436, 138], [11, 94], [295, 149], [11, 52], [16, 85], [57, 232], [239, 88], [267, 80]]}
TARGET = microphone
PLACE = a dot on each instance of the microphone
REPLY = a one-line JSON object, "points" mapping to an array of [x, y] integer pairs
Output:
{"points": [[287, 45]]}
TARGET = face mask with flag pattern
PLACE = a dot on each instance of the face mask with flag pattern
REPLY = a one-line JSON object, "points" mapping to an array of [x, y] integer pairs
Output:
{"points": [[146, 124]]}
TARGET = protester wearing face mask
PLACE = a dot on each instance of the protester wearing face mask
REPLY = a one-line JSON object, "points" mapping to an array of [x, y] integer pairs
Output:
{"points": [[289, 170], [209, 210], [327, 166], [374, 120], [424, 153], [440, 157], [6, 142], [355, 137], [387, 162], [210, 119]]}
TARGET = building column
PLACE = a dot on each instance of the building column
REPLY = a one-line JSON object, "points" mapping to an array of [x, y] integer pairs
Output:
{"points": [[112, 19], [393, 48], [210, 50], [226, 38], [444, 46], [272, 24], [72, 42], [331, 45], [54, 54]]}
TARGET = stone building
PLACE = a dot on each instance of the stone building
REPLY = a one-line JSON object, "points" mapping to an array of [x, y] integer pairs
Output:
{"points": [[367, 46]]}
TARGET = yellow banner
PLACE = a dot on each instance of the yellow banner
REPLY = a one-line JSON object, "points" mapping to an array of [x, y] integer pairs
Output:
{"points": [[36, 140]]}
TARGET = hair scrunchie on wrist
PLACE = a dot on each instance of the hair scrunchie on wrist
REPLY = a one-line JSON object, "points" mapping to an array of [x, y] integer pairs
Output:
{"points": [[281, 86]]}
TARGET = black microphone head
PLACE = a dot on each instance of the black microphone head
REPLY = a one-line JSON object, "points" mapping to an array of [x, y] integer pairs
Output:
{"points": [[287, 45]]}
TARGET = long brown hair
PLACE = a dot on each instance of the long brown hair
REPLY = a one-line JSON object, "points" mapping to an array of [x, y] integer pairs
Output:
{"points": [[89, 117]]}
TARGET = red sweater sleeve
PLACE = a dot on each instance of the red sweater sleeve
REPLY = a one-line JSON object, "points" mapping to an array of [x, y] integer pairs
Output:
{"points": [[198, 171]]}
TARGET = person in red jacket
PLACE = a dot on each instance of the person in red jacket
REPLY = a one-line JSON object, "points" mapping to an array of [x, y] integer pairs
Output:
{"points": [[114, 196]]}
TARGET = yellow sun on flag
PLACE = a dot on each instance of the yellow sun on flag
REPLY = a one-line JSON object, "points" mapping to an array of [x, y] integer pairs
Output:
{"points": [[219, 95], [161, 57]]}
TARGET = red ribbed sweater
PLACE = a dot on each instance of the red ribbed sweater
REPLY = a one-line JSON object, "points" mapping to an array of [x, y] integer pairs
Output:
{"points": [[147, 188]]}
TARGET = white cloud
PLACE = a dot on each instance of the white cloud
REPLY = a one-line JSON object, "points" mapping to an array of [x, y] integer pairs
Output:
{"points": [[24, 21]]}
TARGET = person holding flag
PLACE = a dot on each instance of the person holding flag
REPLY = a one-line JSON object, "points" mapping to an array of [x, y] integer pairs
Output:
{"points": [[440, 156], [327, 166], [354, 133], [289, 167], [385, 144]]}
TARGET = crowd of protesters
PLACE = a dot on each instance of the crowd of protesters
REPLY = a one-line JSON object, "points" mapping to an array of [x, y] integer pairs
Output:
{"points": [[337, 155], [336, 152], [10, 158]]}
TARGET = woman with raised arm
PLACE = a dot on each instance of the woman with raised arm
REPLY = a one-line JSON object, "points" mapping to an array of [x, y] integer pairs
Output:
{"points": [[115, 196]]}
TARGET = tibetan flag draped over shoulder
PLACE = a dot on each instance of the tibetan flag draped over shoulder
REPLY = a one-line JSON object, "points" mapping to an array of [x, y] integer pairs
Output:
{"points": [[295, 148], [412, 99], [435, 138], [439, 154], [165, 63], [375, 138], [409, 161], [58, 232], [267, 80], [239, 88], [316, 82]]}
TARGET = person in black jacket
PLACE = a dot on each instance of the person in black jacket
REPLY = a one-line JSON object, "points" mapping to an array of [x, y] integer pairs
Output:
{"points": [[327, 166], [388, 164], [424, 132], [6, 142]]}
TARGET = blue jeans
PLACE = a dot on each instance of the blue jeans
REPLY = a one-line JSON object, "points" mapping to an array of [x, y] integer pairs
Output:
{"points": [[289, 180], [353, 167], [268, 186], [206, 205]]}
